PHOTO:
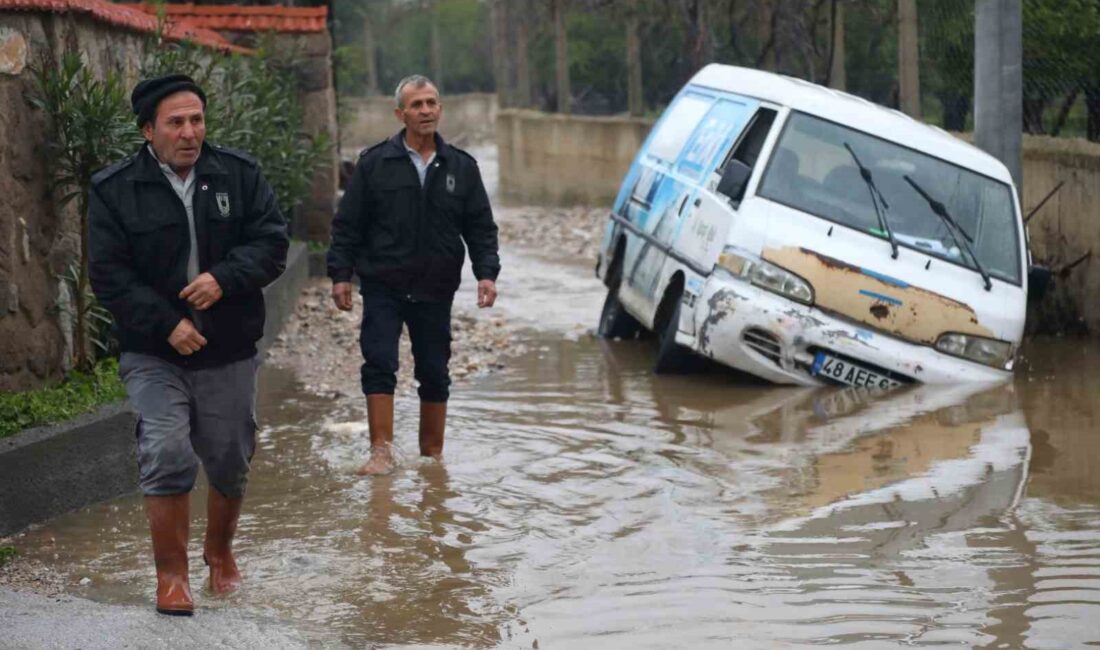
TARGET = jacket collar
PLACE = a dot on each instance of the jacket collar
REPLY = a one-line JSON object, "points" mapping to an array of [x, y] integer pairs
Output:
{"points": [[395, 146], [147, 169]]}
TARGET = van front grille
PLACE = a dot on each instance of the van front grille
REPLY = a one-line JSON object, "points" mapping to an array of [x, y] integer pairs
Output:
{"points": [[763, 342]]}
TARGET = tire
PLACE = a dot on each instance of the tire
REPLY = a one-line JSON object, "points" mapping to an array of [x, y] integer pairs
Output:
{"points": [[615, 322], [673, 358]]}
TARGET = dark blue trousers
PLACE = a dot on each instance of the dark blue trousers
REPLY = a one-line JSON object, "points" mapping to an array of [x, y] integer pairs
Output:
{"points": [[429, 323]]}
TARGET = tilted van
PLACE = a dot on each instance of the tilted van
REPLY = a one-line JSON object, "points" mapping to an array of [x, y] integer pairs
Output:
{"points": [[807, 236]]}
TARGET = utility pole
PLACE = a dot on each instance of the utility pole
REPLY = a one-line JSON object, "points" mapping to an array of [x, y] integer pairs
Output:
{"points": [[634, 100], [999, 82], [838, 76], [436, 48], [908, 59], [523, 59], [561, 51]]}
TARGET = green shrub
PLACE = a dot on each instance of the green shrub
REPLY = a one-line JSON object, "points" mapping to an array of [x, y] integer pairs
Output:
{"points": [[7, 554], [77, 394]]}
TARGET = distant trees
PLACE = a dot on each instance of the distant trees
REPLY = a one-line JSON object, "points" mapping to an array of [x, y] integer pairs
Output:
{"points": [[613, 56]]}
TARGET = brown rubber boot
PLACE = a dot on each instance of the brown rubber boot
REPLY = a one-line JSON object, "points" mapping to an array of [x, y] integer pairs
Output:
{"points": [[221, 524], [380, 421], [433, 421], [169, 520]]}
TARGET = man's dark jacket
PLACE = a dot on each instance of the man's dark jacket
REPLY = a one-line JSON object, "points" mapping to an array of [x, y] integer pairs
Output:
{"points": [[408, 239], [138, 243]]}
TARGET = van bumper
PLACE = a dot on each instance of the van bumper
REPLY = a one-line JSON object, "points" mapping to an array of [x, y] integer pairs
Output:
{"points": [[759, 332]]}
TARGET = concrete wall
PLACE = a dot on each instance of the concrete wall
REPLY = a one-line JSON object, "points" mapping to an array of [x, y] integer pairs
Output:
{"points": [[563, 160], [467, 118], [36, 241], [1065, 228], [558, 159]]}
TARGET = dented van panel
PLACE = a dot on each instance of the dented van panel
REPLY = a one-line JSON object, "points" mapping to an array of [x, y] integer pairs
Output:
{"points": [[877, 300], [808, 237]]}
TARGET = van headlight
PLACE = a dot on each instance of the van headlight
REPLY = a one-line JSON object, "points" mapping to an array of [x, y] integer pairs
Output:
{"points": [[767, 276], [989, 352]]}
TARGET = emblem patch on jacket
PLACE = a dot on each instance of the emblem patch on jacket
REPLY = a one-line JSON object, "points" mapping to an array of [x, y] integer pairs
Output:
{"points": [[223, 203], [450, 183]]}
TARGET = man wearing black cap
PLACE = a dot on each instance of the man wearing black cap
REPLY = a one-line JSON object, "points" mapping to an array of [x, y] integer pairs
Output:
{"points": [[182, 237]]}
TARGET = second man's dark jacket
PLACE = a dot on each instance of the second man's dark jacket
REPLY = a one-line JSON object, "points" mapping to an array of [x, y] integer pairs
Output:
{"points": [[397, 235], [138, 245]]}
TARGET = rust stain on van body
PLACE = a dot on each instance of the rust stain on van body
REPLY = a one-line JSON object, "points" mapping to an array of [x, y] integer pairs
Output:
{"points": [[905, 311]]}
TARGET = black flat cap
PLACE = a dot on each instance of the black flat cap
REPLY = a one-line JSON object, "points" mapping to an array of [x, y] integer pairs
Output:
{"points": [[148, 94]]}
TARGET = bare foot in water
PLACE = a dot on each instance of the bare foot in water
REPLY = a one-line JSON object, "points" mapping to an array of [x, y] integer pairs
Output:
{"points": [[380, 461]]}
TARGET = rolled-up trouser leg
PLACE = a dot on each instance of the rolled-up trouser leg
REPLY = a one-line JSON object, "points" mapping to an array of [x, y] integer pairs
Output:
{"points": [[224, 431], [160, 393], [378, 337], [429, 326]]}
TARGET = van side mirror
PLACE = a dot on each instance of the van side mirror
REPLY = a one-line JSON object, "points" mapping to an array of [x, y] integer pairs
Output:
{"points": [[1038, 281], [735, 177]]}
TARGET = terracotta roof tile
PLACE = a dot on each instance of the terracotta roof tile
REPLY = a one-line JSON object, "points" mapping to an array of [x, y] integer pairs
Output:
{"points": [[235, 18], [128, 16]]}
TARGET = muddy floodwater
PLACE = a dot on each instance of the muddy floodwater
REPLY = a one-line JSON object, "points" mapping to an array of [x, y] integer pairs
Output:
{"points": [[586, 503]]}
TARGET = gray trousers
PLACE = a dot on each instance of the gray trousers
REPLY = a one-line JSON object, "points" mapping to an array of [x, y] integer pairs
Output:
{"points": [[190, 416]]}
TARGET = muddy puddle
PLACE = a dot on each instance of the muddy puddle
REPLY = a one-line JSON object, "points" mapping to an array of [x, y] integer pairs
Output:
{"points": [[586, 503]]}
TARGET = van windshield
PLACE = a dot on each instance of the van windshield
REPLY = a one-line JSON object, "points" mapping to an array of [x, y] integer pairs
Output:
{"points": [[813, 171]]}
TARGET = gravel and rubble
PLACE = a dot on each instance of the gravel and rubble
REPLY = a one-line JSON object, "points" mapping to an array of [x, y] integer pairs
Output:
{"points": [[321, 343], [574, 232], [18, 573]]}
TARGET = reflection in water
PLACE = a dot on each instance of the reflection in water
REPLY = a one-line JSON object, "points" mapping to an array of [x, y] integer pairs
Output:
{"points": [[585, 502]]}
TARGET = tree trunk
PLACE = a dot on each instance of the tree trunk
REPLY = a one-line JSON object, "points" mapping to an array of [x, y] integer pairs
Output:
{"points": [[838, 75], [765, 35], [561, 50], [370, 57], [1092, 108], [523, 57], [697, 43], [436, 49], [908, 59], [499, 15], [1033, 116], [1063, 112], [634, 100]]}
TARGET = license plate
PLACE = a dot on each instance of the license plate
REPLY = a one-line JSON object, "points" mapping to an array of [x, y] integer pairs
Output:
{"points": [[846, 372]]}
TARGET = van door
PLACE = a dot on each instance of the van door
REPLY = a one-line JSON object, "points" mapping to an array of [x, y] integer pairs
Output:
{"points": [[686, 155]]}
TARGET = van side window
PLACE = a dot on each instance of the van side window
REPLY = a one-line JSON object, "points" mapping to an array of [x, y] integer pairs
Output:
{"points": [[747, 150], [677, 126]]}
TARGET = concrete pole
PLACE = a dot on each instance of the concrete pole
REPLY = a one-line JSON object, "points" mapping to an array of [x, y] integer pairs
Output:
{"points": [[838, 76], [908, 59], [634, 62], [436, 48], [523, 58], [561, 58], [999, 82], [370, 56]]}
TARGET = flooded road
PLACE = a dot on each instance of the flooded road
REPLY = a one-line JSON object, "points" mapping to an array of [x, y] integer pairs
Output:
{"points": [[585, 502]]}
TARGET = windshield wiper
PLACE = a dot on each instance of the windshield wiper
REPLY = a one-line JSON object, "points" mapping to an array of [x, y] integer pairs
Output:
{"points": [[952, 226], [880, 212]]}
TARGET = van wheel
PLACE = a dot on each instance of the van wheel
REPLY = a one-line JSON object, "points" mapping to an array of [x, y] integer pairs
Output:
{"points": [[615, 322], [673, 358]]}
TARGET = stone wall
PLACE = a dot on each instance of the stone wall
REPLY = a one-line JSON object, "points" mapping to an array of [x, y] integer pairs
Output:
{"points": [[559, 159], [563, 160], [467, 118], [37, 242]]}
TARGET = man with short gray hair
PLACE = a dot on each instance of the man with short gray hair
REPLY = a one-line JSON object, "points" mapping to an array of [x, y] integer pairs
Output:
{"points": [[412, 207]]}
